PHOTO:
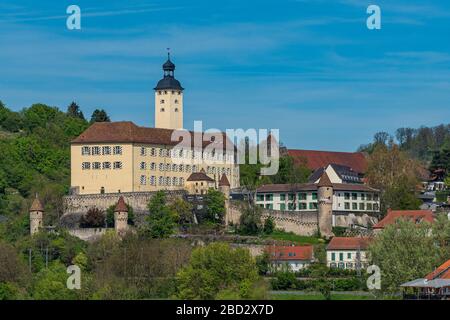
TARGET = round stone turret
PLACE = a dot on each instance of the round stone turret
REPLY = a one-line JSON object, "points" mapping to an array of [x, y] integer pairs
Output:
{"points": [[36, 216]]}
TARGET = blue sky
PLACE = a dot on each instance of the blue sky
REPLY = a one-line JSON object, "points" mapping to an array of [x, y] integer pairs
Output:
{"points": [[310, 68]]}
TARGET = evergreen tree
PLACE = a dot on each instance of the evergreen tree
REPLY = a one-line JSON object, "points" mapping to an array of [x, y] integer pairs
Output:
{"points": [[73, 110], [100, 115]]}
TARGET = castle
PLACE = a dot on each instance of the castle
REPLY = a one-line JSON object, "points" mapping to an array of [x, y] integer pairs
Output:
{"points": [[121, 157]]}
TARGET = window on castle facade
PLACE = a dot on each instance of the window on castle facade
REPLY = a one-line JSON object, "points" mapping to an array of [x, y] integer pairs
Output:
{"points": [[152, 152], [117, 150], [174, 168], [188, 168], [161, 167], [161, 181], [106, 151], [86, 166], [346, 205], [143, 166], [85, 151], [181, 168], [162, 101], [106, 165], [117, 165], [369, 197], [174, 181], [153, 180], [168, 167], [95, 151], [152, 166], [181, 181], [354, 206], [354, 196], [143, 151], [96, 166], [167, 181], [369, 207], [362, 206], [143, 180]]}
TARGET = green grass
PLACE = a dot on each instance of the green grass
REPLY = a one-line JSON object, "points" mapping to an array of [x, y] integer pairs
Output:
{"points": [[290, 236], [336, 296]]}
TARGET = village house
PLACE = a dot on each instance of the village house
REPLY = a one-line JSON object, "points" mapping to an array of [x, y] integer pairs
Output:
{"points": [[293, 257], [417, 216], [347, 252], [435, 285]]}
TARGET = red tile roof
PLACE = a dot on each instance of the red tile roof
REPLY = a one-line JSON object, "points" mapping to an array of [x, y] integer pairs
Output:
{"points": [[442, 272], [128, 132], [36, 205], [415, 215], [320, 159], [348, 243], [224, 181], [121, 206], [324, 181], [199, 176], [290, 252]]}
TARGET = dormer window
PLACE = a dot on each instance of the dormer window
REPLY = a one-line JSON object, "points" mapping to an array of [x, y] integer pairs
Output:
{"points": [[159, 92], [173, 91], [165, 92]]}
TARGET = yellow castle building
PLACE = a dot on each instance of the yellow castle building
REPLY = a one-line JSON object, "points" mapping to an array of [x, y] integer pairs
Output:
{"points": [[118, 157]]}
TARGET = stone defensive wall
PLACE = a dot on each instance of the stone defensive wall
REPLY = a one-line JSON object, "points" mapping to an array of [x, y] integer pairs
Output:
{"points": [[301, 223], [77, 205]]}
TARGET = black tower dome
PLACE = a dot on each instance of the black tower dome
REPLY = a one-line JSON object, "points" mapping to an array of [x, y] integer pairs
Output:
{"points": [[169, 81]]}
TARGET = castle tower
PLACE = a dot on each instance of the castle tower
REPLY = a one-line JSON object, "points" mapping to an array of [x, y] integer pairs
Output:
{"points": [[224, 186], [121, 217], [325, 205], [36, 216], [169, 99]]}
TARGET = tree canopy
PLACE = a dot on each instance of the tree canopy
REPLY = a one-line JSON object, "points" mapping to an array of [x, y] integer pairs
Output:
{"points": [[218, 271]]}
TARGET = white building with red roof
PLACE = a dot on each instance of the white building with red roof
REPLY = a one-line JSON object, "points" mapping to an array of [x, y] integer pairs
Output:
{"points": [[293, 257], [347, 252]]}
